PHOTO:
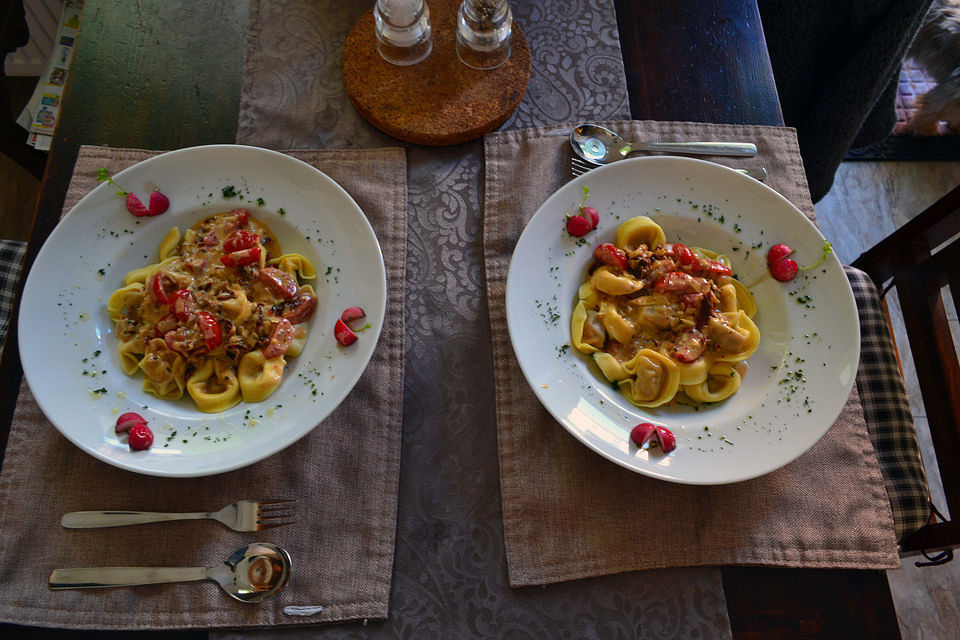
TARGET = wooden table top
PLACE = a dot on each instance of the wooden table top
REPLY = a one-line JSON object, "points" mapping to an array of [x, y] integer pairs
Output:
{"points": [[697, 60]]}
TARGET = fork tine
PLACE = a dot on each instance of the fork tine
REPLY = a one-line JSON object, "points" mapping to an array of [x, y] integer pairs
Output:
{"points": [[272, 525], [578, 167], [261, 503], [274, 516], [275, 507]]}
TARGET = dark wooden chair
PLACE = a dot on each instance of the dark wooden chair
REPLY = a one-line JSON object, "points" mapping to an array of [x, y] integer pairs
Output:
{"points": [[13, 35], [920, 259]]}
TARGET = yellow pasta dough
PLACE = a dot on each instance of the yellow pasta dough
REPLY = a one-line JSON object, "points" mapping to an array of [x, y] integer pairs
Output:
{"points": [[663, 319], [210, 317]]}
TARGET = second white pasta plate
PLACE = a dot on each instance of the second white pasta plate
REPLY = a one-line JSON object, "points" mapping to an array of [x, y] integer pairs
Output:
{"points": [[799, 378], [67, 341]]}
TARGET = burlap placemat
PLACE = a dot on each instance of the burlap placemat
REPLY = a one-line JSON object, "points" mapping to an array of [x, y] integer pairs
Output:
{"points": [[344, 474], [568, 513]]}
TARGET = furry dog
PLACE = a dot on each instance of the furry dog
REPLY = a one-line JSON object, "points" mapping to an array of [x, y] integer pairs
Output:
{"points": [[937, 49]]}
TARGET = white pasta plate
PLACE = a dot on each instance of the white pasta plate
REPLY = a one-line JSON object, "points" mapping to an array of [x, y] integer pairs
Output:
{"points": [[67, 342], [798, 379]]}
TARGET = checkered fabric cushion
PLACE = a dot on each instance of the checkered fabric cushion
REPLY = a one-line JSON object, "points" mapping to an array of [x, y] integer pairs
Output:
{"points": [[11, 257], [887, 411]]}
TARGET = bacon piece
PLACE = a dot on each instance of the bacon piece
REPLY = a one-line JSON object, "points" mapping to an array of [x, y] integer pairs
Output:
{"points": [[279, 282], [280, 339]]}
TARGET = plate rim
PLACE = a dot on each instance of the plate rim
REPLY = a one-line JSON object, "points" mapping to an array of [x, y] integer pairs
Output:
{"points": [[636, 468], [266, 451]]}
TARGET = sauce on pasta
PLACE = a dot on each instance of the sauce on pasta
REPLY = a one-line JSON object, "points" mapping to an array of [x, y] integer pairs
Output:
{"points": [[664, 319], [217, 315]]}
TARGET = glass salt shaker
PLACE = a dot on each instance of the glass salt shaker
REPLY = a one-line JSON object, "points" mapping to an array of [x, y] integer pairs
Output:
{"points": [[484, 28], [402, 29]]}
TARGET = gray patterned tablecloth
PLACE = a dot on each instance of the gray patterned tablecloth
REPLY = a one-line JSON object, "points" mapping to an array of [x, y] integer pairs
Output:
{"points": [[449, 572]]}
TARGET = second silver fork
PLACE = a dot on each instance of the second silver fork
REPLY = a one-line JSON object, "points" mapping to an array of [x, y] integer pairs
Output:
{"points": [[243, 515], [578, 167]]}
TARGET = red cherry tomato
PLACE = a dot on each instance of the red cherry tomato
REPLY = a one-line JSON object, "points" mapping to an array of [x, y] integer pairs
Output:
{"points": [[717, 268], [240, 239], [611, 255], [242, 216], [181, 304], [158, 289], [242, 258], [209, 329], [684, 255]]}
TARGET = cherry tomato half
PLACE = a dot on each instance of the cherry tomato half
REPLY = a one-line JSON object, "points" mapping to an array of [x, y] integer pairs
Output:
{"points": [[209, 329], [242, 257]]}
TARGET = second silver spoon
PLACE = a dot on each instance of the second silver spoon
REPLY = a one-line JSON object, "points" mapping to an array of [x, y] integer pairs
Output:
{"points": [[599, 145]]}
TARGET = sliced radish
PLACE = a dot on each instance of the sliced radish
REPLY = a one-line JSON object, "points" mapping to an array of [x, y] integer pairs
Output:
{"points": [[158, 203], [784, 270], [643, 433], [666, 439], [592, 214], [343, 334], [352, 313], [777, 253], [140, 437], [578, 226], [126, 421], [136, 207]]}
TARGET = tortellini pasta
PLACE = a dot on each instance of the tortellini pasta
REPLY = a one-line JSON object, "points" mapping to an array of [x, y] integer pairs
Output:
{"points": [[210, 318], [669, 323]]}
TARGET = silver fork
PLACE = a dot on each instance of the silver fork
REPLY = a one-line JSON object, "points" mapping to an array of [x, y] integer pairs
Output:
{"points": [[578, 167], [243, 515]]}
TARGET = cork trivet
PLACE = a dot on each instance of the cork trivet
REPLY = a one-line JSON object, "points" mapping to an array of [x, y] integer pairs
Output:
{"points": [[440, 100]]}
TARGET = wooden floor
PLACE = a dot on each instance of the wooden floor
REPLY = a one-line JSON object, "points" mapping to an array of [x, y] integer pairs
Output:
{"points": [[868, 201]]}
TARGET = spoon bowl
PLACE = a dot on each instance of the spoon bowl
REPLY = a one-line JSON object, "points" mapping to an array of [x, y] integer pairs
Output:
{"points": [[254, 573]]}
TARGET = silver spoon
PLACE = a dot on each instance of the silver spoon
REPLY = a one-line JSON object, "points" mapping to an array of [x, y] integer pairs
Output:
{"points": [[253, 574], [599, 145]]}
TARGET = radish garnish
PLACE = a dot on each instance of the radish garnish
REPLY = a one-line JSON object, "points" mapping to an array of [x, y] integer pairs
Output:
{"points": [[666, 439], [647, 433], [643, 433], [158, 202], [136, 207], [352, 313], [344, 335]]}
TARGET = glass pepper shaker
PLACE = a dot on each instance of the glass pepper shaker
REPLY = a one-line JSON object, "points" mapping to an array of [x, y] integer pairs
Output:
{"points": [[484, 28], [402, 30]]}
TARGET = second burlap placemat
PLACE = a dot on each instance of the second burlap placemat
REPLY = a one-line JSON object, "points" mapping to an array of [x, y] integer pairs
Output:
{"points": [[568, 513], [344, 474]]}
